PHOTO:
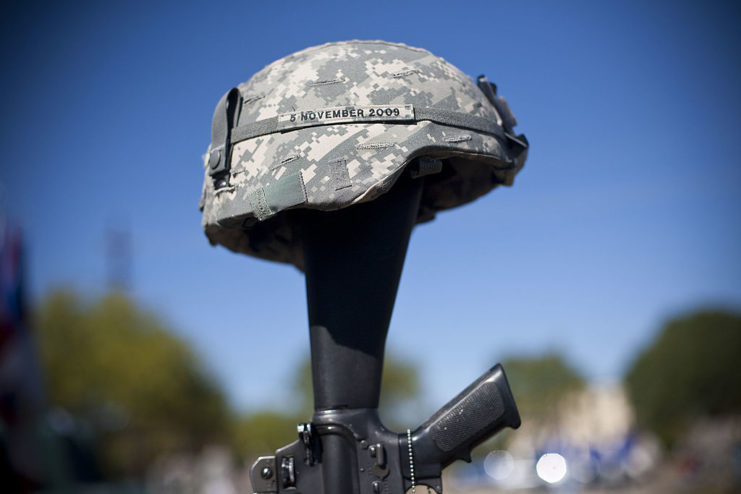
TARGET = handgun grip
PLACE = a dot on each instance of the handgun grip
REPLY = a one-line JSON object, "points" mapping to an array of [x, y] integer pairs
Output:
{"points": [[477, 413]]}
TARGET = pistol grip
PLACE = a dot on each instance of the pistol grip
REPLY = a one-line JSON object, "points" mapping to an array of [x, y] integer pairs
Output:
{"points": [[481, 410]]}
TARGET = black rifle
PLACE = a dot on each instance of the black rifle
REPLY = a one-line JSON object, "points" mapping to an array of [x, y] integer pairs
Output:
{"points": [[353, 260]]}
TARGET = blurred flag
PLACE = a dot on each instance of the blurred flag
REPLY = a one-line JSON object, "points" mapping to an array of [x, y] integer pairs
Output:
{"points": [[11, 291], [21, 387], [20, 376]]}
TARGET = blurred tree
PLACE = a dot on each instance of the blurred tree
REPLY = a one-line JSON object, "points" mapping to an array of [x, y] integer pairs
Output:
{"points": [[263, 432], [690, 370], [539, 383], [120, 369]]}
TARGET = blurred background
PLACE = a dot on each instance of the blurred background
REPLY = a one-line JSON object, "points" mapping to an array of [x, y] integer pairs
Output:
{"points": [[134, 357]]}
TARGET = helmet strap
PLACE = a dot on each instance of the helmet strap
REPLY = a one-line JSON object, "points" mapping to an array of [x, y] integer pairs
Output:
{"points": [[224, 119]]}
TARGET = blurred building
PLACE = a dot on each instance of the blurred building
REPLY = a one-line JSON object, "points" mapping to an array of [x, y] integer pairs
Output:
{"points": [[589, 438]]}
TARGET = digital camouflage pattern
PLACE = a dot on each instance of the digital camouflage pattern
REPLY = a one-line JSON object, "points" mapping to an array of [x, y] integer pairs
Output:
{"points": [[335, 125]]}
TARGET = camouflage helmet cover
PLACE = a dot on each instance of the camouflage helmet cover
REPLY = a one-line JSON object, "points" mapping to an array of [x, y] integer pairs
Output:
{"points": [[336, 125]]}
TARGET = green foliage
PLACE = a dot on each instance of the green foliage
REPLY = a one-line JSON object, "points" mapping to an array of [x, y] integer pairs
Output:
{"points": [[690, 370], [123, 371], [539, 383], [263, 432], [399, 384]]}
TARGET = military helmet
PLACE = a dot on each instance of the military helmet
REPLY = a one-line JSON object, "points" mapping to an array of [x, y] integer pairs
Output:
{"points": [[336, 125]]}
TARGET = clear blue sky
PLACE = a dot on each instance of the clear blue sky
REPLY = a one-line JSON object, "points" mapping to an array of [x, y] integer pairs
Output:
{"points": [[626, 212]]}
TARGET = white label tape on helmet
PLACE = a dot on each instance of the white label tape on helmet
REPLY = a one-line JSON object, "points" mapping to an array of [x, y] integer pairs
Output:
{"points": [[342, 114]]}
